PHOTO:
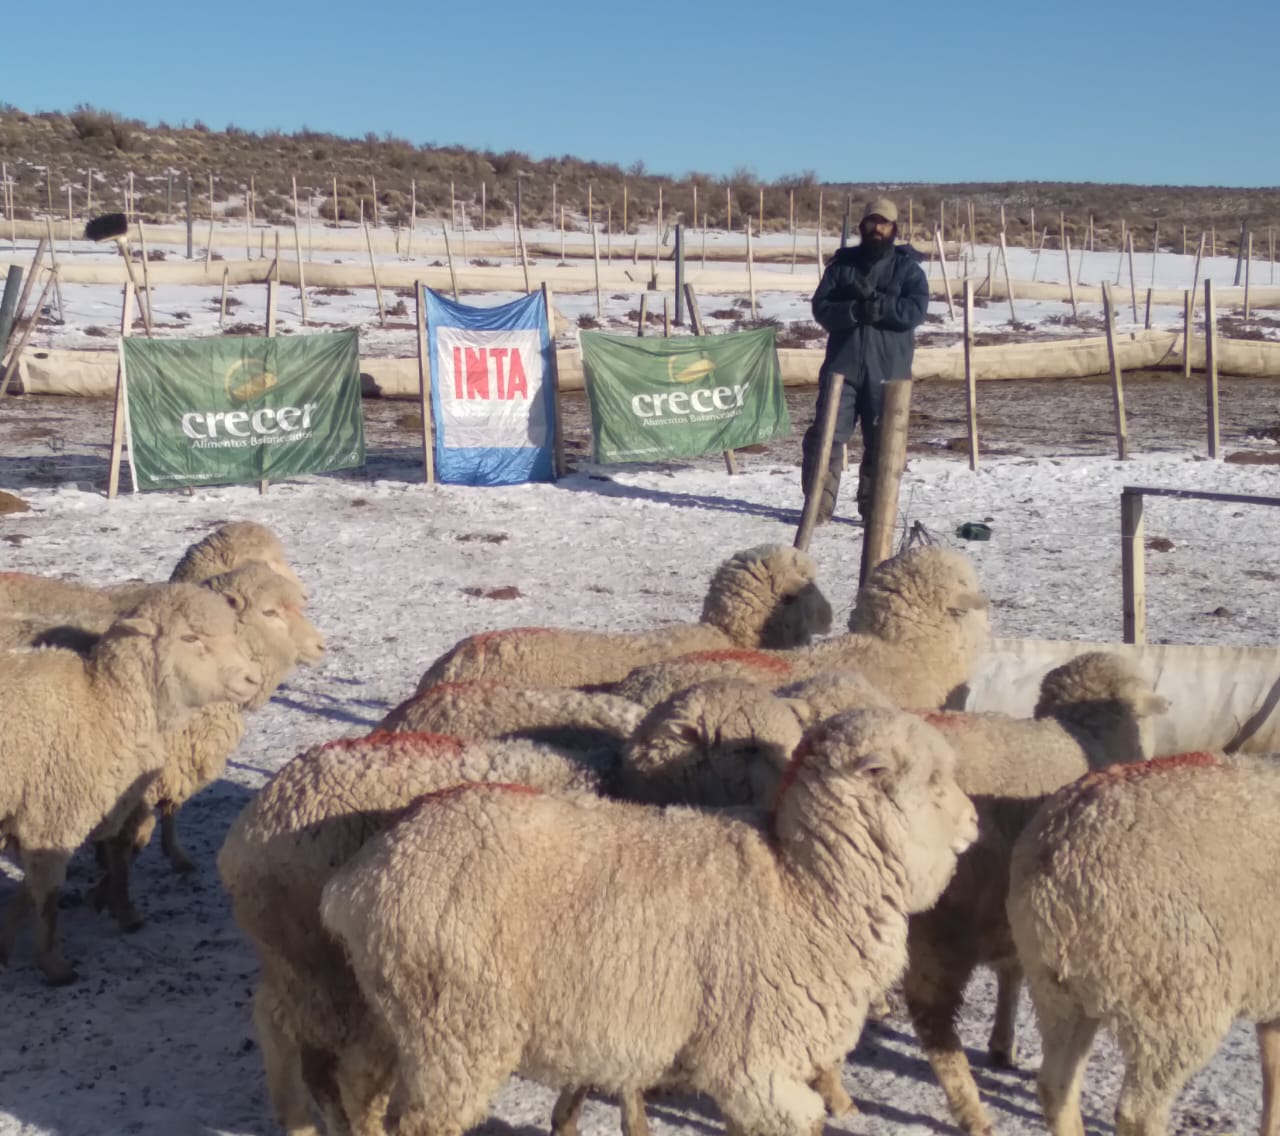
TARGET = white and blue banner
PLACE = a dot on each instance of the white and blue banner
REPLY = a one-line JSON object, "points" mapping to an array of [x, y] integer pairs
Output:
{"points": [[491, 395]]}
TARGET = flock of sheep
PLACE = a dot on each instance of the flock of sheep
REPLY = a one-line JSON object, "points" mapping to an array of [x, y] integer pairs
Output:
{"points": [[694, 858]]}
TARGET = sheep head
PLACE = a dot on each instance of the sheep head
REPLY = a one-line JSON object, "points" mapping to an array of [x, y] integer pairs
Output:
{"points": [[876, 786], [767, 597]]}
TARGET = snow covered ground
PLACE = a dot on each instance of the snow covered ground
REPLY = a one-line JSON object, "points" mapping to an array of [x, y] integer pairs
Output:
{"points": [[156, 1036]]}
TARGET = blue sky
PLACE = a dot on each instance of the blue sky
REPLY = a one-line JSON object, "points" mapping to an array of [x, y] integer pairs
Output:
{"points": [[1023, 91]]}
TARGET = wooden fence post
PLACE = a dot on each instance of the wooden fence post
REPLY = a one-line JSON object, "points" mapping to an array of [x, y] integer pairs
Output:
{"points": [[826, 436], [970, 383], [1132, 554], [1188, 329], [891, 458], [1071, 287], [377, 284], [448, 253], [946, 284], [644, 315], [557, 436], [1008, 283], [1117, 384], [118, 416], [424, 389], [1211, 367]]}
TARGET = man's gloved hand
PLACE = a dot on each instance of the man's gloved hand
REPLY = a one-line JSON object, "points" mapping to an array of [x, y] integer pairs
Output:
{"points": [[868, 311]]}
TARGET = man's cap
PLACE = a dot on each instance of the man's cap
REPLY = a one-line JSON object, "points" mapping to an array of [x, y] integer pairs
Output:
{"points": [[881, 207]]}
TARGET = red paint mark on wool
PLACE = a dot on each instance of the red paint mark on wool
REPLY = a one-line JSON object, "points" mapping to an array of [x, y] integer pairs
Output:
{"points": [[419, 804], [757, 659], [1126, 774], [401, 744], [789, 775], [945, 719]]}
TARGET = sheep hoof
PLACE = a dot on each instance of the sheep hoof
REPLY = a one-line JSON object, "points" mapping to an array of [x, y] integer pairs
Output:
{"points": [[130, 919], [1001, 1058], [58, 972], [97, 895]]}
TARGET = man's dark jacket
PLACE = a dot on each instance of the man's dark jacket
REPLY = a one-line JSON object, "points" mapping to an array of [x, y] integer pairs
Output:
{"points": [[891, 288]]}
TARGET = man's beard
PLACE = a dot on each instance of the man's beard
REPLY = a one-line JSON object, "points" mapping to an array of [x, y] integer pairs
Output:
{"points": [[876, 246]]}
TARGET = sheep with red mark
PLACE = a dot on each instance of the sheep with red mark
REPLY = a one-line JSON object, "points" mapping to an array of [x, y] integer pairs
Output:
{"points": [[652, 683], [1092, 712], [84, 737], [1142, 900], [274, 632], [320, 1043], [745, 996], [763, 597], [591, 725]]}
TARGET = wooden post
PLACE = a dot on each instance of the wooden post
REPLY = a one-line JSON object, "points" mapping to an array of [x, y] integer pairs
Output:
{"points": [[1188, 324], [524, 259], [273, 305], [302, 281], [118, 416], [335, 201], [70, 219], [553, 378], [1117, 385], [595, 257], [377, 284], [624, 208], [248, 229], [1035, 268], [1184, 238], [32, 273], [644, 315], [1132, 569], [1146, 321], [53, 265], [1248, 260], [666, 316], [695, 313], [484, 206], [1155, 248], [751, 279], [946, 284], [970, 384], [1008, 283], [826, 437], [453, 205], [222, 304], [208, 251], [891, 457], [16, 354], [728, 209], [1071, 287], [146, 278], [1271, 251], [1213, 241], [424, 388], [657, 228], [1211, 367], [1195, 278], [1133, 287], [448, 254]]}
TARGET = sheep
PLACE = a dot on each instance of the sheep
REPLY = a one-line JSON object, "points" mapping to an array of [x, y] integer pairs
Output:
{"points": [[917, 628], [764, 596], [1091, 713], [1142, 899], [318, 1038], [82, 736], [592, 725], [63, 611], [496, 928], [276, 635], [652, 683]]}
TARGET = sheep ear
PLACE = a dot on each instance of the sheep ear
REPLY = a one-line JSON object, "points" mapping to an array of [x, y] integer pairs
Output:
{"points": [[804, 711], [137, 625], [1155, 704], [872, 765], [966, 602], [236, 602]]}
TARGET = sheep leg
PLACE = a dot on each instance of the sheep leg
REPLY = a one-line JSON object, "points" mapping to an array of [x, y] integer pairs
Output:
{"points": [[111, 892], [282, 1063], [934, 989], [567, 1110], [15, 911], [770, 1105], [45, 873], [1269, 1049], [363, 1077], [169, 839], [830, 1087], [1066, 1037], [634, 1120], [1159, 1058], [1002, 1046]]}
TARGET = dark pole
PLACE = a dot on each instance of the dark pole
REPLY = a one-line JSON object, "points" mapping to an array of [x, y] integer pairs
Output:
{"points": [[189, 221], [1240, 251]]}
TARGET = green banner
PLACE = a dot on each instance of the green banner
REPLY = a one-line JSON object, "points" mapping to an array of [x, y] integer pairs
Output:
{"points": [[229, 410], [654, 399]]}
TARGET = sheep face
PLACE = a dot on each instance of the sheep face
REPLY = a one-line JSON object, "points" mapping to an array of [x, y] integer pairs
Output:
{"points": [[878, 784], [721, 742], [920, 592], [767, 597], [196, 655]]}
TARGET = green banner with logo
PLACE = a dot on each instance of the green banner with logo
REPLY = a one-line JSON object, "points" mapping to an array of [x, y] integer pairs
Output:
{"points": [[654, 399], [229, 410]]}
